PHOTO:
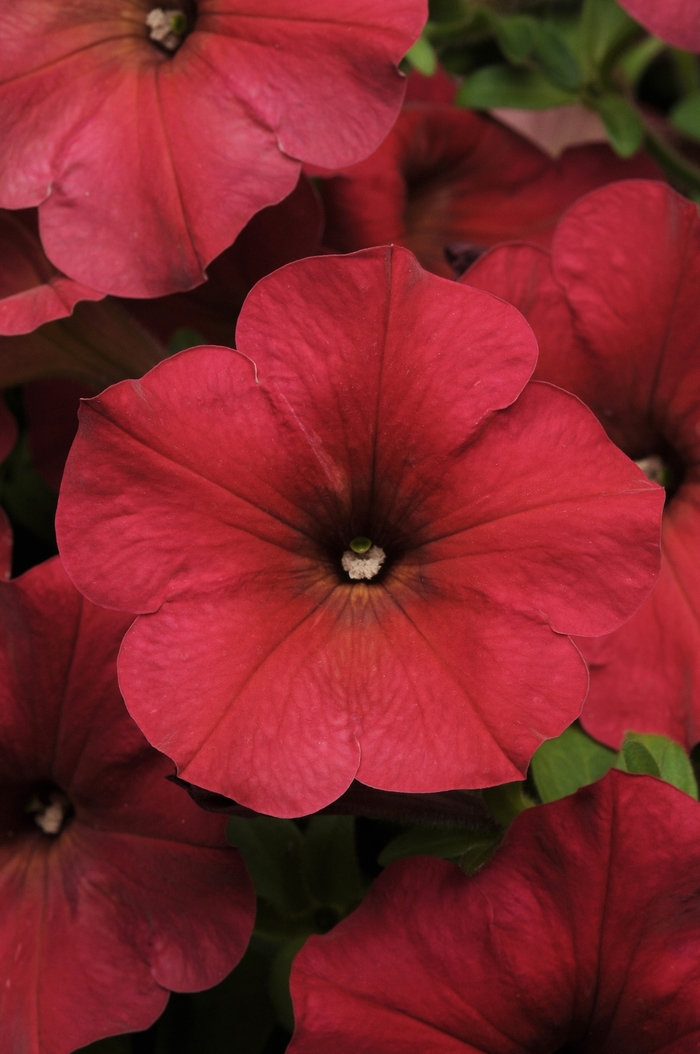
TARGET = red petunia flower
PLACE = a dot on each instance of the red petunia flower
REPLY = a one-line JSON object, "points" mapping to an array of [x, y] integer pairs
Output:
{"points": [[350, 558], [615, 310], [148, 137], [582, 933], [677, 21], [116, 888], [447, 183], [32, 291]]}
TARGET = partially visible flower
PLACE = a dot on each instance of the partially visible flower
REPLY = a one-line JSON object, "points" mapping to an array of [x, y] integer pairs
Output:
{"points": [[116, 888], [581, 934], [32, 291], [676, 21], [373, 413], [615, 311], [147, 152], [447, 183]]}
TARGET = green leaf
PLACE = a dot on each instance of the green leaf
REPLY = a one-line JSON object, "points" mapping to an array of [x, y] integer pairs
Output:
{"points": [[271, 849], [422, 57], [605, 29], [556, 58], [635, 61], [329, 863], [516, 37], [622, 123], [184, 338], [479, 852], [685, 116], [449, 843], [278, 981], [502, 85], [658, 756], [560, 766], [507, 801]]}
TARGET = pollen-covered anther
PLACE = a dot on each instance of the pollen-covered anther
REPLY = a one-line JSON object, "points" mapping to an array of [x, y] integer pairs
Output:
{"points": [[50, 818], [653, 468], [167, 28], [363, 565]]}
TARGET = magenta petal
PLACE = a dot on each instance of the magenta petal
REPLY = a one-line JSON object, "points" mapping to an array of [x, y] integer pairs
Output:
{"points": [[677, 21]]}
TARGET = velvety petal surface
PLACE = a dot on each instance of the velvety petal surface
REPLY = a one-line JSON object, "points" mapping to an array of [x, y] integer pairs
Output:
{"points": [[451, 178], [216, 496], [584, 929], [136, 895], [677, 21], [141, 189], [615, 312]]}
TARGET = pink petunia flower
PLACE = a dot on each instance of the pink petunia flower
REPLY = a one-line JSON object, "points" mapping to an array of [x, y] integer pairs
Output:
{"points": [[116, 888], [615, 310], [149, 136], [677, 21], [581, 934], [358, 544], [447, 183]]}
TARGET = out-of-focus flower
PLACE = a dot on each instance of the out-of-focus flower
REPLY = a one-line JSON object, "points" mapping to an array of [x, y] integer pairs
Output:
{"points": [[355, 549], [32, 291], [447, 183], [615, 310], [677, 21], [148, 145], [582, 933], [116, 888]]}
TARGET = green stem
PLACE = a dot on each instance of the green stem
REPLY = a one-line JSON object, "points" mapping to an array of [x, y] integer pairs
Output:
{"points": [[679, 169]]}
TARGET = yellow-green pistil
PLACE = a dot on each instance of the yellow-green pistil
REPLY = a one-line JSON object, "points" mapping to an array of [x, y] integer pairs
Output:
{"points": [[361, 545]]}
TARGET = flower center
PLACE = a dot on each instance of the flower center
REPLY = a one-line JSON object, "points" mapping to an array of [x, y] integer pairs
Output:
{"points": [[167, 27], [362, 560], [50, 810]]}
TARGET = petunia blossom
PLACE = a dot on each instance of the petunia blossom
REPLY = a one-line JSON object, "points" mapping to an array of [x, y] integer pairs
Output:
{"points": [[448, 183], [357, 544], [116, 888], [581, 934], [676, 21], [148, 137], [616, 314], [32, 291]]}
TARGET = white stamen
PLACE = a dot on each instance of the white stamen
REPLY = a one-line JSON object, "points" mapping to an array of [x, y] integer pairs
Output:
{"points": [[363, 565], [653, 468], [51, 818], [161, 24]]}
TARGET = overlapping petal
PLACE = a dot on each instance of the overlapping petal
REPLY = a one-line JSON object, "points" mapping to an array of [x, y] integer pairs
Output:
{"points": [[146, 165], [451, 179], [677, 21], [583, 932], [215, 497], [135, 894], [615, 311]]}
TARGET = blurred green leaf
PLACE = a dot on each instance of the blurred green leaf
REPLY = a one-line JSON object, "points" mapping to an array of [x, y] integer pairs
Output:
{"points": [[622, 123], [23, 492], [329, 863], [635, 61], [422, 57], [516, 37], [502, 85], [605, 29], [479, 852], [556, 58], [278, 981], [560, 766], [184, 338], [236, 1015], [658, 756], [271, 849], [685, 116], [447, 842], [507, 801]]}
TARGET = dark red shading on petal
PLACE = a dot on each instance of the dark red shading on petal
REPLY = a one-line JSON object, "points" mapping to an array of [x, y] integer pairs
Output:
{"points": [[440, 88], [615, 312], [275, 236], [452, 178], [584, 929], [136, 895], [141, 190], [32, 291], [216, 496], [677, 21]]}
